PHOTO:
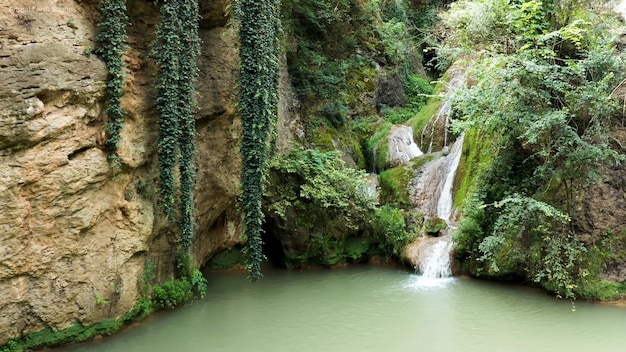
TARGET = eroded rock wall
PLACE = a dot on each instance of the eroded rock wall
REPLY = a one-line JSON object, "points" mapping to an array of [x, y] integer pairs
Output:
{"points": [[72, 234]]}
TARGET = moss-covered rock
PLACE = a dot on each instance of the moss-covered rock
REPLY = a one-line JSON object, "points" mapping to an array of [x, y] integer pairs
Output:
{"points": [[434, 226], [77, 332], [313, 203], [394, 182], [357, 248]]}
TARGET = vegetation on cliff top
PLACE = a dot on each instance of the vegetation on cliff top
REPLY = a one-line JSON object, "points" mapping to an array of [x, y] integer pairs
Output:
{"points": [[354, 61]]}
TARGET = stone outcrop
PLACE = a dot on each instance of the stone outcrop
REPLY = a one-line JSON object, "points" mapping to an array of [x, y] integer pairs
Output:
{"points": [[72, 233], [600, 209], [400, 146]]}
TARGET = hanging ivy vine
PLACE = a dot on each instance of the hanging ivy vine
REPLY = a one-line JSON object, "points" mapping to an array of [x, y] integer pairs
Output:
{"points": [[110, 48], [176, 49], [258, 97], [189, 16]]}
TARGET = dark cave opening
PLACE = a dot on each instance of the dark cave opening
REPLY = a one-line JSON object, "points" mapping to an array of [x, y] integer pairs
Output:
{"points": [[273, 249]]}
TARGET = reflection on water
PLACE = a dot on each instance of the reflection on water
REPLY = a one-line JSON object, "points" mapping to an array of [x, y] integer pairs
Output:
{"points": [[369, 308]]}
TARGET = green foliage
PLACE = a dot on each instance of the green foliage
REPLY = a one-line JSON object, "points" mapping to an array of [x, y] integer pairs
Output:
{"points": [[176, 48], [377, 147], [190, 284], [357, 247], [226, 259], [529, 238], [199, 283], [602, 289], [339, 49], [110, 48], [100, 301], [190, 47], [540, 92], [433, 226], [397, 116], [310, 182], [77, 332], [391, 230], [313, 198], [394, 182], [172, 293], [417, 90], [506, 27], [335, 113], [259, 31]]}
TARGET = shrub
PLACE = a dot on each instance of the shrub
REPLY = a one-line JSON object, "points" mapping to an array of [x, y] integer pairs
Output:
{"points": [[391, 231], [172, 293], [541, 89]]}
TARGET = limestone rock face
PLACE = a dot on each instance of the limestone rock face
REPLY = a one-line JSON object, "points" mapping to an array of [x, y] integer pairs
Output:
{"points": [[73, 234], [600, 210], [401, 147]]}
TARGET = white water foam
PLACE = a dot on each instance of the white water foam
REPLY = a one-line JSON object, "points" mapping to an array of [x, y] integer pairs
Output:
{"points": [[444, 206]]}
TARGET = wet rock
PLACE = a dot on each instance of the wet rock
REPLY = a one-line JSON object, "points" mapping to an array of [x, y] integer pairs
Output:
{"points": [[401, 147]]}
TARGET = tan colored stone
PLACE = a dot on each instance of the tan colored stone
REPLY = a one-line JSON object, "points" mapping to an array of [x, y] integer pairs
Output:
{"points": [[73, 234]]}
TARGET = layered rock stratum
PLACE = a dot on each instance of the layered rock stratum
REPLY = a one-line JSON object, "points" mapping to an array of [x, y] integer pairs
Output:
{"points": [[74, 234]]}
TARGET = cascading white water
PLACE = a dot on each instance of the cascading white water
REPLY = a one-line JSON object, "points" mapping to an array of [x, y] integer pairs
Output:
{"points": [[434, 253], [435, 262], [444, 206]]}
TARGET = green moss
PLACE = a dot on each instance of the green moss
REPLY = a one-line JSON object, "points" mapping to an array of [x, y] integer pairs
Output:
{"points": [[77, 332], [377, 144], [394, 182], [328, 138], [434, 226], [360, 159], [602, 290], [322, 139], [610, 248], [226, 259], [357, 247], [422, 117], [478, 155]]}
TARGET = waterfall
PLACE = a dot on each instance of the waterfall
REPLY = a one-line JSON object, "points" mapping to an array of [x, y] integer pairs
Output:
{"points": [[435, 199], [434, 261], [431, 190], [375, 161], [444, 205]]}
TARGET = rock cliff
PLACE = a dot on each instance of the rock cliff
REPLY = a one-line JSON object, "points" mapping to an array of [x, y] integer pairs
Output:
{"points": [[73, 233]]}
